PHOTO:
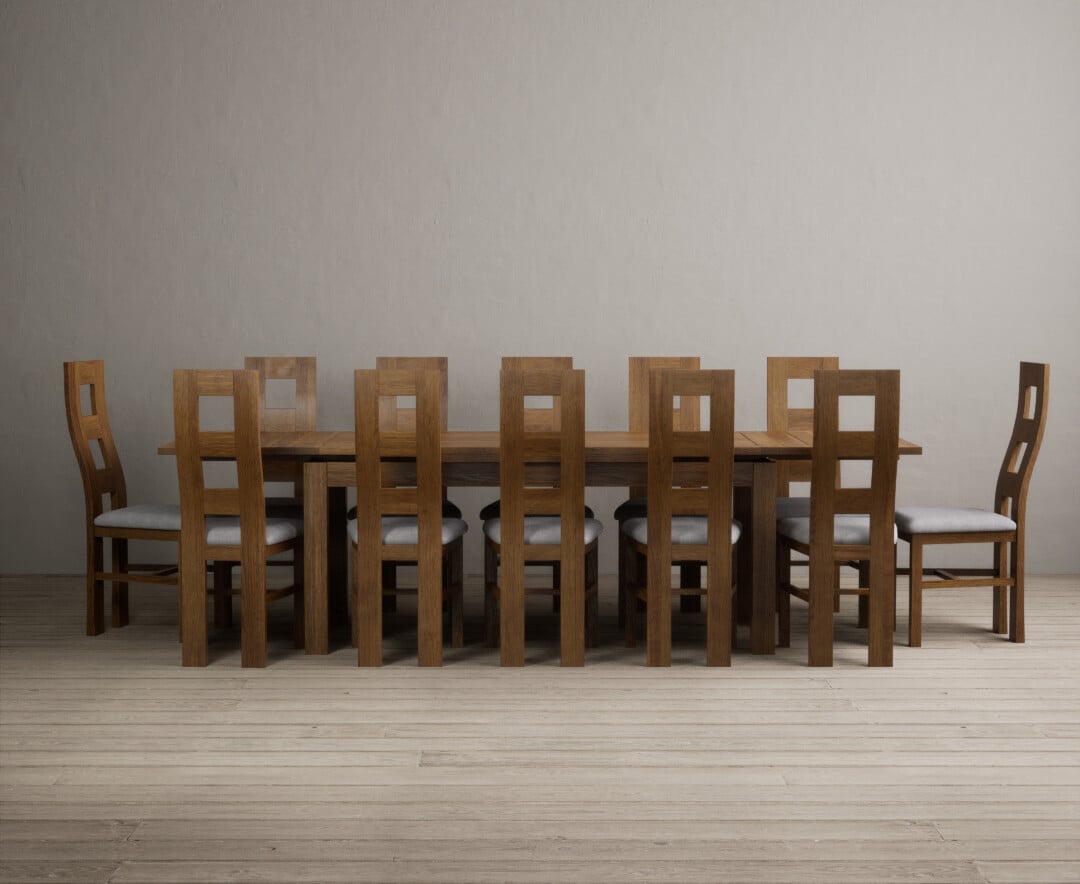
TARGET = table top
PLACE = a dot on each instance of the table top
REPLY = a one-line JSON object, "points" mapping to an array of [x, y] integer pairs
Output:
{"points": [[471, 446]]}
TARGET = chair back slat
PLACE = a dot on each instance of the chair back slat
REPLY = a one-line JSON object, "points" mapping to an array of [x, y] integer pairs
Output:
{"points": [[221, 501], [93, 428], [689, 501], [1010, 495], [542, 501], [781, 370], [686, 416]]}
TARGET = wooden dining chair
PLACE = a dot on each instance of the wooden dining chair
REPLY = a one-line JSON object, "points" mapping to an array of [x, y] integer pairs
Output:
{"points": [[687, 418], [542, 518], [690, 492], [117, 522], [229, 524], [782, 417], [542, 418], [1003, 526], [846, 524], [301, 415], [399, 512]]}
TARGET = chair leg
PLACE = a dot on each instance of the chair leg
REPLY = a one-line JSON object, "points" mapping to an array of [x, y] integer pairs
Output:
{"points": [[864, 600], [634, 565], [915, 593], [253, 613], [1016, 593], [556, 583], [95, 588], [452, 580], [592, 599], [1001, 598], [223, 607], [783, 610], [120, 612], [624, 544], [389, 581], [298, 596], [690, 578], [491, 609], [783, 597], [354, 591]]}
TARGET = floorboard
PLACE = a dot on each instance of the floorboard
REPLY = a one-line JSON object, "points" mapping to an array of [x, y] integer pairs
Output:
{"points": [[959, 764]]}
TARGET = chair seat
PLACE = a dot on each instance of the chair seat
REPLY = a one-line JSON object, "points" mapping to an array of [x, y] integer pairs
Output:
{"points": [[543, 530], [143, 516], [633, 508], [225, 530], [792, 508], [405, 530], [950, 520], [848, 530], [685, 530], [492, 511]]}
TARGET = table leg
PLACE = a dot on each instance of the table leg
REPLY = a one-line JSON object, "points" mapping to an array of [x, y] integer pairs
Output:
{"points": [[763, 557], [316, 640]]}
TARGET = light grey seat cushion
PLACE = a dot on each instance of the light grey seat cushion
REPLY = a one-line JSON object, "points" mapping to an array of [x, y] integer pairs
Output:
{"points": [[685, 530], [405, 530], [950, 520], [146, 516], [225, 530], [792, 507], [543, 530], [847, 529]]}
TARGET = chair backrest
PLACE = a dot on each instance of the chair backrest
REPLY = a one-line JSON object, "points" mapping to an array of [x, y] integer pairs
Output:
{"points": [[391, 415], [89, 429], [540, 418], [241, 445], [832, 445], [781, 370], [542, 471], [301, 369], [1010, 496], [686, 417]]}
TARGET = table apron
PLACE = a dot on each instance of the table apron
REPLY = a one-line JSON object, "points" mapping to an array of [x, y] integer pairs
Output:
{"points": [[601, 474]]}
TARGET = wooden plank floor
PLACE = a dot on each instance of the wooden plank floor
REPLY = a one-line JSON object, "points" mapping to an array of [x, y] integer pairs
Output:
{"points": [[116, 765]]}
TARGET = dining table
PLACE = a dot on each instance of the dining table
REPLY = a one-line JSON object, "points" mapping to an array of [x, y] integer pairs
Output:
{"points": [[470, 458]]}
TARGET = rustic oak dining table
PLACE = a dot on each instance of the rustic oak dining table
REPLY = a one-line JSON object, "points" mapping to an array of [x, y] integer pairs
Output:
{"points": [[471, 458]]}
